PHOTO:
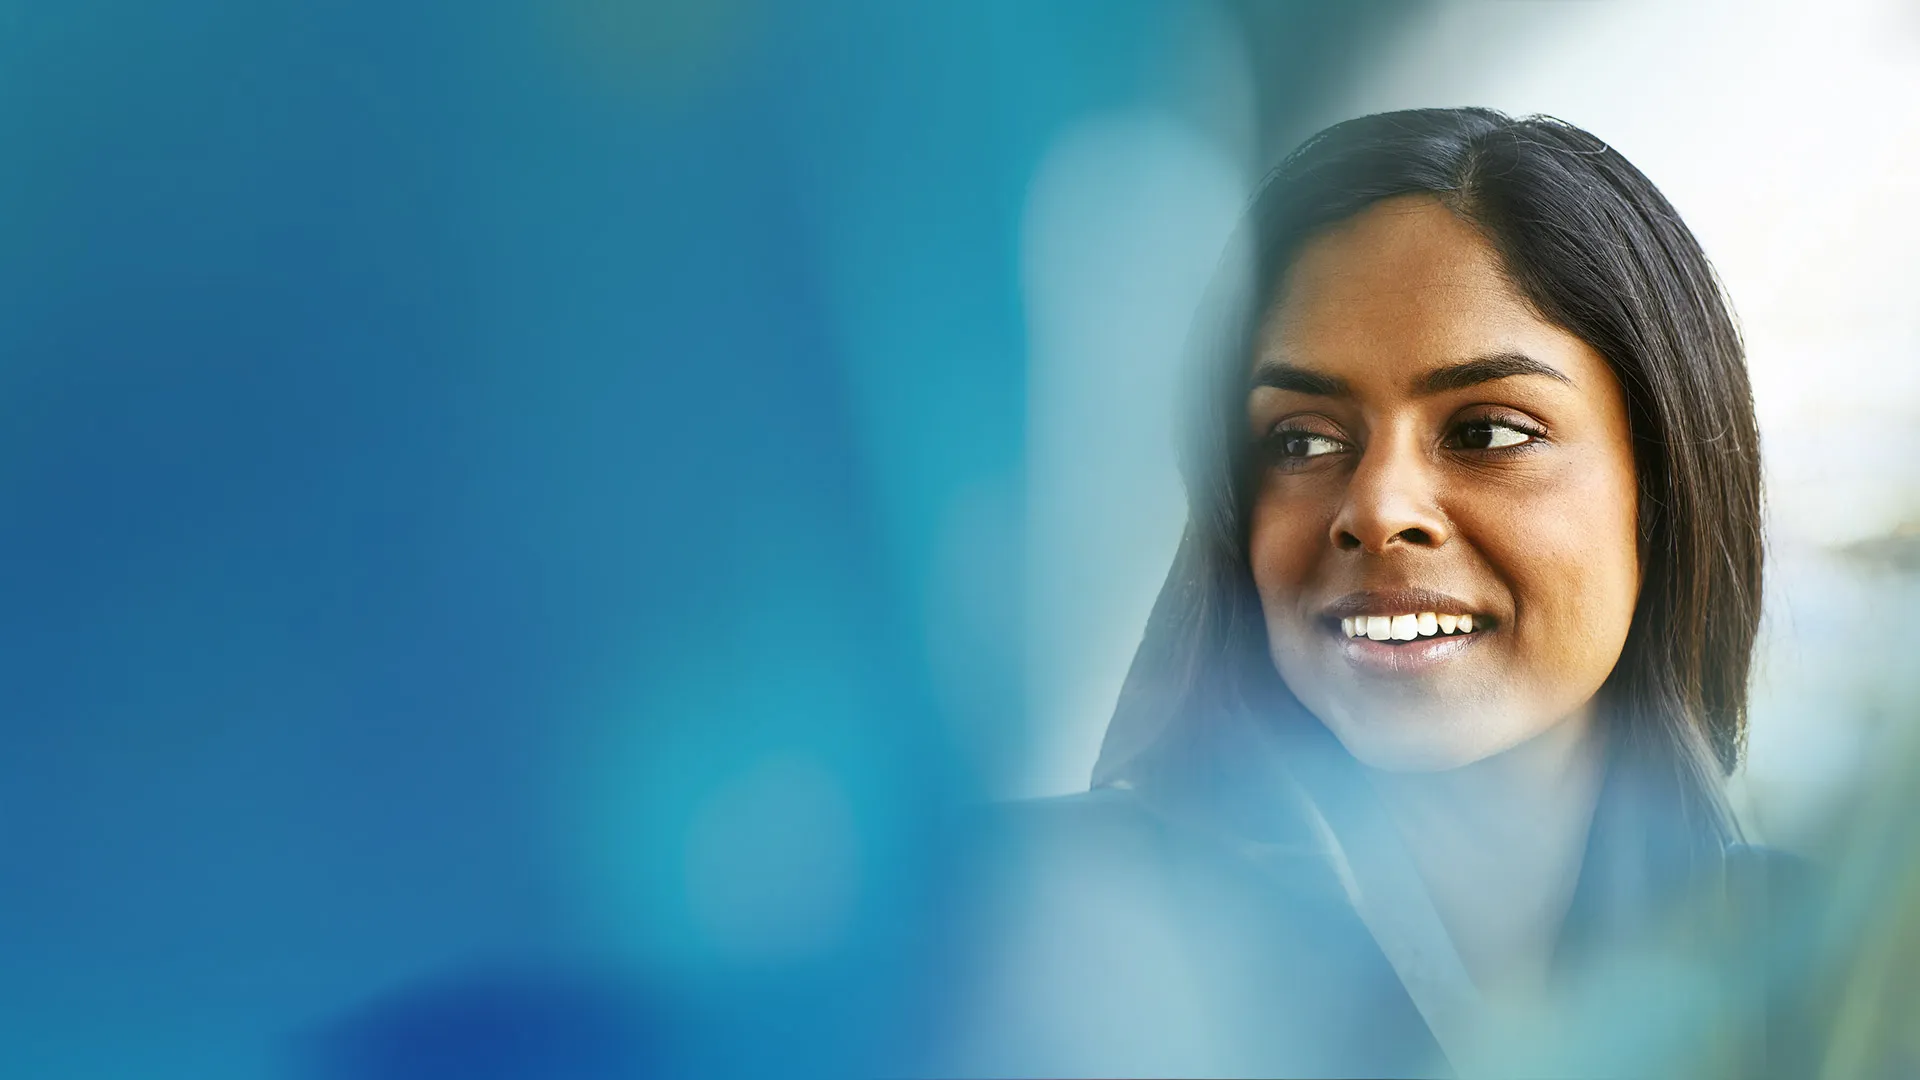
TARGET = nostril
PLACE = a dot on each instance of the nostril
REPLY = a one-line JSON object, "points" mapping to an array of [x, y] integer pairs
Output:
{"points": [[1412, 537]]}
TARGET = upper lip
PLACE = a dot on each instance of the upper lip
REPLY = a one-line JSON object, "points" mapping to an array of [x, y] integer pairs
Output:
{"points": [[1398, 602]]}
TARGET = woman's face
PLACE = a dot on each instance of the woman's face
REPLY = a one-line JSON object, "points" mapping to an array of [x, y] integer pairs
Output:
{"points": [[1433, 454]]}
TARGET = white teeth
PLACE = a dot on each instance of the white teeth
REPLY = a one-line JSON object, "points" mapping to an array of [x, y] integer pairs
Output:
{"points": [[1405, 627]]}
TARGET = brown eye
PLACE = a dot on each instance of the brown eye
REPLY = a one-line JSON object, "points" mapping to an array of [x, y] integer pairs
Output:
{"points": [[1300, 445], [1489, 435]]}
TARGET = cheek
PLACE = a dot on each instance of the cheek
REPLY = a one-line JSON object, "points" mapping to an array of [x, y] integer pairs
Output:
{"points": [[1571, 556], [1283, 546]]}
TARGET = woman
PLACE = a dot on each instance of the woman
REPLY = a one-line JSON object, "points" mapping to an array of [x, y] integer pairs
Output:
{"points": [[1421, 759]]}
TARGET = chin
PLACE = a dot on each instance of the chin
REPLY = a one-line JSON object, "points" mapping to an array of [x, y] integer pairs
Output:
{"points": [[1418, 745]]}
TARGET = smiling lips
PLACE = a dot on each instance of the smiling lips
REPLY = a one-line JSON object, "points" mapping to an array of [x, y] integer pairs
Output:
{"points": [[1407, 645], [1405, 627]]}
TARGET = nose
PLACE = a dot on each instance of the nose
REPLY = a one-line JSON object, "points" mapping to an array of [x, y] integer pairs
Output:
{"points": [[1391, 501]]}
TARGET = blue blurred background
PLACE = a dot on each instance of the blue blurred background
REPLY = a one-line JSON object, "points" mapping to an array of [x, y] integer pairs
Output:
{"points": [[530, 516], [510, 505]]}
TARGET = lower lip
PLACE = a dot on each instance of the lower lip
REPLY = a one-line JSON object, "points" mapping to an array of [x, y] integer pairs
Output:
{"points": [[1403, 657]]}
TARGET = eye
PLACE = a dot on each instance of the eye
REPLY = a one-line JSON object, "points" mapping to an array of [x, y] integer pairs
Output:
{"points": [[1490, 435], [1296, 445], [1300, 444]]}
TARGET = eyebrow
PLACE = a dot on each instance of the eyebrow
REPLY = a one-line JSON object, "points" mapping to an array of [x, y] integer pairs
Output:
{"points": [[1284, 376], [1481, 369]]}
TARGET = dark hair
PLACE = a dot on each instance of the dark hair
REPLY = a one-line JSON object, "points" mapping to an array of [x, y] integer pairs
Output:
{"points": [[1598, 251]]}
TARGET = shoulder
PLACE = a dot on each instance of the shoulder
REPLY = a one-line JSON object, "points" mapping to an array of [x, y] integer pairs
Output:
{"points": [[1109, 933], [1113, 804], [1117, 867], [1780, 906], [1062, 851], [1773, 864], [1773, 879], [1102, 816], [1127, 836]]}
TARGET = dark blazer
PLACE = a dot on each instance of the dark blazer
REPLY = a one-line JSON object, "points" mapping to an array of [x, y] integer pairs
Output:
{"points": [[1113, 940], [1115, 932]]}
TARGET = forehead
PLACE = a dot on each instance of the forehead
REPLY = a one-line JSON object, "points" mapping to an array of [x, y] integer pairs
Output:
{"points": [[1402, 287]]}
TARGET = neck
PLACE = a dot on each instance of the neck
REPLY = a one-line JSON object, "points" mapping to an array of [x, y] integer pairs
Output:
{"points": [[1499, 844]]}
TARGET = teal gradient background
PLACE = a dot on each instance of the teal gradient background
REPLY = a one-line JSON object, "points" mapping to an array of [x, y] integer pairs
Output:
{"points": [[520, 504]]}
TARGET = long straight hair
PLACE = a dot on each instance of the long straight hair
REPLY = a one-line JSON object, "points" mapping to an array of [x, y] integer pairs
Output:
{"points": [[1597, 250]]}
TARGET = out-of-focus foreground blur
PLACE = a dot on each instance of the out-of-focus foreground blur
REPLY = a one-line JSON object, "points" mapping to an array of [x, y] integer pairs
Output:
{"points": [[524, 520]]}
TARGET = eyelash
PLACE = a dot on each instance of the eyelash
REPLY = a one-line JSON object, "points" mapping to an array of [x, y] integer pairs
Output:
{"points": [[1275, 443]]}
